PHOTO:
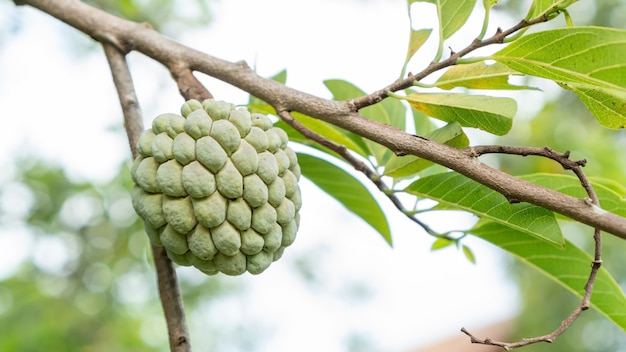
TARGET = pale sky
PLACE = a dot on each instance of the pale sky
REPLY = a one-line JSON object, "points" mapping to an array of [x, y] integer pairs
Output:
{"points": [[62, 106]]}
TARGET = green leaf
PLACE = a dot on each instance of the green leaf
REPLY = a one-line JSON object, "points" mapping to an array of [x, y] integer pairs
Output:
{"points": [[455, 191], [491, 114], [346, 189], [586, 60], [405, 166], [343, 90], [422, 123], [469, 254], [607, 105], [416, 40], [547, 7], [479, 76], [568, 266], [440, 243], [611, 184], [610, 199], [452, 14], [586, 55]]}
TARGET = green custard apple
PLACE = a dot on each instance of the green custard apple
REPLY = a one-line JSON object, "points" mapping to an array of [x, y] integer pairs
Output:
{"points": [[217, 187]]}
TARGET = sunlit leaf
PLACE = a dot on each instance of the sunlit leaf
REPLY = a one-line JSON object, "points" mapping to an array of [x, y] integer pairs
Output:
{"points": [[455, 191], [469, 254], [583, 59], [416, 40], [491, 114], [607, 105], [569, 266], [440, 243], [479, 76], [405, 166], [585, 55], [542, 7], [453, 13], [346, 189]]}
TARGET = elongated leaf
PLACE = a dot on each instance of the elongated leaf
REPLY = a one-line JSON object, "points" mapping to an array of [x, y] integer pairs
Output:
{"points": [[416, 40], [491, 114], [479, 76], [541, 7], [586, 60], [610, 200], [346, 189], [469, 254], [607, 105], [455, 191], [405, 166], [440, 243], [585, 55], [569, 266], [452, 13]]}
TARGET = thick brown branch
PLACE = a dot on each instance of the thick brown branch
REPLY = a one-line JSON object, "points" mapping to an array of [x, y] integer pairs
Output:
{"points": [[169, 292], [342, 114]]}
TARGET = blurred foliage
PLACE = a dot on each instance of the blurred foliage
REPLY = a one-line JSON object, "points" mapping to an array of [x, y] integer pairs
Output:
{"points": [[88, 284], [166, 16], [169, 17]]}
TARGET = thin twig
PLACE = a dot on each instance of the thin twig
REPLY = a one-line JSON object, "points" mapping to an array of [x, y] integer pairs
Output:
{"points": [[358, 164], [404, 83], [576, 167], [169, 292]]}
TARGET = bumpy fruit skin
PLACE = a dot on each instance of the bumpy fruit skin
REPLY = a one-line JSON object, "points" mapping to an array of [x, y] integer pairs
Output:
{"points": [[218, 188]]}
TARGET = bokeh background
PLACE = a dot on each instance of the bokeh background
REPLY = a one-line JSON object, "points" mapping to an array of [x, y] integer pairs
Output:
{"points": [[75, 267]]}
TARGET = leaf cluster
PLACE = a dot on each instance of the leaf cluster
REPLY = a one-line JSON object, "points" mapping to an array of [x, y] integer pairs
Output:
{"points": [[583, 60]]}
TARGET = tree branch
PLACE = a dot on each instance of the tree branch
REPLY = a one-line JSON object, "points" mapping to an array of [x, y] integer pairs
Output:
{"points": [[169, 292], [103, 27], [358, 165]]}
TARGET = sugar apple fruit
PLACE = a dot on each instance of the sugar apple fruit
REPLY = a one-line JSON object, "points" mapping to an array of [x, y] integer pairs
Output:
{"points": [[217, 187]]}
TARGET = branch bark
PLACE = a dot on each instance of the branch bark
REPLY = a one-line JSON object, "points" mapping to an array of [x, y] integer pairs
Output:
{"points": [[169, 292], [107, 28]]}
